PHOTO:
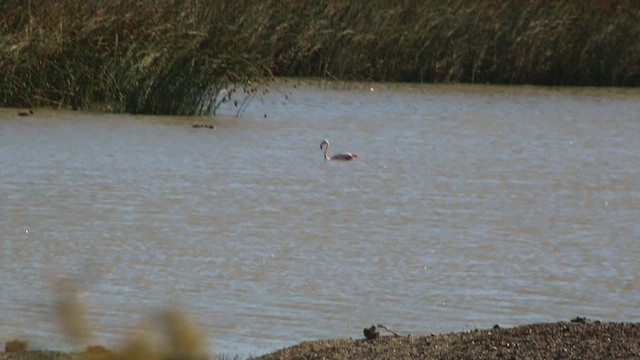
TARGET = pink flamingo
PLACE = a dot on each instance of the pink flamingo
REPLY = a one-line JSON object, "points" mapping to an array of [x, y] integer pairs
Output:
{"points": [[340, 156]]}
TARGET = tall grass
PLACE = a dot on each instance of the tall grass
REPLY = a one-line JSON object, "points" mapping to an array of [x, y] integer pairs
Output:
{"points": [[154, 56], [150, 56], [553, 42]]}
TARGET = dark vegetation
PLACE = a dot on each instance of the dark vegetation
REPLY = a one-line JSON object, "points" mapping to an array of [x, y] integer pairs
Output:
{"points": [[161, 57]]}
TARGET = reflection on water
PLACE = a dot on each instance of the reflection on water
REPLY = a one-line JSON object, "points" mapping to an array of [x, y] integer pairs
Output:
{"points": [[470, 206]]}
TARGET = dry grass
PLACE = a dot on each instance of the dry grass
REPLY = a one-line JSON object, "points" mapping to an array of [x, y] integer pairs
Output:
{"points": [[15, 345], [170, 335]]}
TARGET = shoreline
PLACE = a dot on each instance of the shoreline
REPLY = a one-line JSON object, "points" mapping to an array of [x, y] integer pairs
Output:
{"points": [[579, 338]]}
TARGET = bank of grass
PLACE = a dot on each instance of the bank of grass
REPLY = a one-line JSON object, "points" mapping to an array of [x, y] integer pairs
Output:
{"points": [[160, 57], [554, 42], [152, 56]]}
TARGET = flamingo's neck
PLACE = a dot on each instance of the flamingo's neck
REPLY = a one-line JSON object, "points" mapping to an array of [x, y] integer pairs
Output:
{"points": [[326, 148]]}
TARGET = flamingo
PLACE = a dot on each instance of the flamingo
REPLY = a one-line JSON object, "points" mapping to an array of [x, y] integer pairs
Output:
{"points": [[340, 156], [25, 113]]}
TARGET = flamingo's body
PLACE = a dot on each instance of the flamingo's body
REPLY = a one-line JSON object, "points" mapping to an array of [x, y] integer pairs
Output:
{"points": [[25, 113], [341, 156]]}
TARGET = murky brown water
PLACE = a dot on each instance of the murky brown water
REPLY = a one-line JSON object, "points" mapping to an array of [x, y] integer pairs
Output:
{"points": [[470, 206]]}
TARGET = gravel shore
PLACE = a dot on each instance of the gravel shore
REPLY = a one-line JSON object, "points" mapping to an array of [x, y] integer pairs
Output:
{"points": [[577, 339]]}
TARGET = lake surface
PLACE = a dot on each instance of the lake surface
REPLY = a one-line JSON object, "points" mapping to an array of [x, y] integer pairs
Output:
{"points": [[470, 206]]}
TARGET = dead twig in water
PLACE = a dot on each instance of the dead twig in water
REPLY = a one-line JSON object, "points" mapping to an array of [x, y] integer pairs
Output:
{"points": [[389, 330]]}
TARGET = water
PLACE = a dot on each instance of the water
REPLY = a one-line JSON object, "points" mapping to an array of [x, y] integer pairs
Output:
{"points": [[470, 206]]}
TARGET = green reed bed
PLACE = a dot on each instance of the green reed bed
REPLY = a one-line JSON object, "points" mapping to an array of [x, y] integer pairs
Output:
{"points": [[160, 57], [554, 42], [150, 56]]}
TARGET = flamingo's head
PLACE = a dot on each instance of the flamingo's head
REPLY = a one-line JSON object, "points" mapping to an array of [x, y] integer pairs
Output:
{"points": [[324, 142]]}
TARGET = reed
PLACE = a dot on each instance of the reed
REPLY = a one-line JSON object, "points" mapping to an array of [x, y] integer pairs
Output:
{"points": [[15, 345], [171, 335], [156, 57], [507, 41], [178, 56]]}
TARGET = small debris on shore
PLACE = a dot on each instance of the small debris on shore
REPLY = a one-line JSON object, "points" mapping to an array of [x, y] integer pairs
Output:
{"points": [[204, 126]]}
